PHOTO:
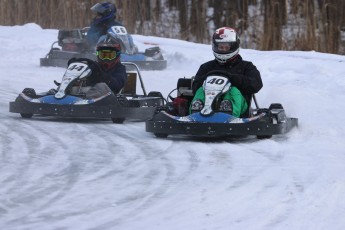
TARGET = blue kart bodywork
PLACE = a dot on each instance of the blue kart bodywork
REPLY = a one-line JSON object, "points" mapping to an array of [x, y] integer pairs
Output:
{"points": [[70, 101]]}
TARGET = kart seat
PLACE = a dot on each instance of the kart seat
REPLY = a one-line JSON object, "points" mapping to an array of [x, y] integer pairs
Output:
{"points": [[130, 87]]}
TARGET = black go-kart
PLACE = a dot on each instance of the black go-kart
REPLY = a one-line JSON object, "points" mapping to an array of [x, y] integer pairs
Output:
{"points": [[73, 44], [176, 119], [69, 99]]}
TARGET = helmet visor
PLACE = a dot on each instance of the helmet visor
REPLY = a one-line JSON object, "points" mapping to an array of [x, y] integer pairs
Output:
{"points": [[107, 55], [225, 47]]}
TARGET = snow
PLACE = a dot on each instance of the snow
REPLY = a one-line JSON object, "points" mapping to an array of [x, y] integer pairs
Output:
{"points": [[91, 174]]}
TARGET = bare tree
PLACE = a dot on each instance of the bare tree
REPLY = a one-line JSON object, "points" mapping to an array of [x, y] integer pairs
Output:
{"points": [[262, 24]]}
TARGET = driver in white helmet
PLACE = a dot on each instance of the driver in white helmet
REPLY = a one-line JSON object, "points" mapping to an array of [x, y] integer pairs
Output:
{"points": [[244, 76]]}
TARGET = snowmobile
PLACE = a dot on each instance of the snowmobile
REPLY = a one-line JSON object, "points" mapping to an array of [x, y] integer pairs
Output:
{"points": [[70, 99], [176, 118], [73, 44]]}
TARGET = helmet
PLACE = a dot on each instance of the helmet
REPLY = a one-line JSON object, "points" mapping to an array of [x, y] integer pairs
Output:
{"points": [[225, 44], [108, 51], [104, 11]]}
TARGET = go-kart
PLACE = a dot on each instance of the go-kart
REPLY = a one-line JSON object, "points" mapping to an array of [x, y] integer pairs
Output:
{"points": [[70, 98], [73, 44], [175, 118]]}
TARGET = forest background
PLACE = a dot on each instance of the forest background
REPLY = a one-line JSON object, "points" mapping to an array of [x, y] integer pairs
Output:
{"points": [[262, 24]]}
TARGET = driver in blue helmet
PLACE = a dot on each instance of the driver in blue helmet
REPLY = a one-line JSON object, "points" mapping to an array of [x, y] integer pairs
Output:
{"points": [[105, 17]]}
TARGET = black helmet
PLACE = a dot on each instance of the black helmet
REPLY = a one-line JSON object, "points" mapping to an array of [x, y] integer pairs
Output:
{"points": [[104, 11], [108, 51], [225, 44]]}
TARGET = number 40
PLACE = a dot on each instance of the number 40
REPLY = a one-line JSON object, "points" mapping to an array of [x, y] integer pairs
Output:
{"points": [[217, 81]]}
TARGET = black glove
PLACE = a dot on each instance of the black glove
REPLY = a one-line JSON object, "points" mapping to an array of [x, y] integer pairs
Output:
{"points": [[236, 79], [93, 65], [104, 77], [71, 61]]}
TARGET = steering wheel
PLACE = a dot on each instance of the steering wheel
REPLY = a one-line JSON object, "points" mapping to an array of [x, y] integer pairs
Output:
{"points": [[94, 66]]}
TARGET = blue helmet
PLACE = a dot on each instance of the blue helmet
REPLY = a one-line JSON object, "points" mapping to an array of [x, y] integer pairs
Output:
{"points": [[104, 11]]}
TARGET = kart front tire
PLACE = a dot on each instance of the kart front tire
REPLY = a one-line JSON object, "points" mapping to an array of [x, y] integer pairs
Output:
{"points": [[262, 137], [26, 115], [118, 120], [161, 135]]}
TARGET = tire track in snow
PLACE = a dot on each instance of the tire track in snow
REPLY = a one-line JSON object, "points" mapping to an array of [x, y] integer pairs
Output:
{"points": [[154, 176], [42, 167], [148, 172], [259, 177], [39, 172], [132, 173]]}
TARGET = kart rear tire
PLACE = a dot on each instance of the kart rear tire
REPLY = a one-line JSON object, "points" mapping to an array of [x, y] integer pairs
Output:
{"points": [[26, 115], [30, 92], [118, 120], [45, 62], [161, 135], [275, 106]]}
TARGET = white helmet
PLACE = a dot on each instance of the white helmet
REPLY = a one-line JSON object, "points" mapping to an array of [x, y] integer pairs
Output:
{"points": [[225, 44]]}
